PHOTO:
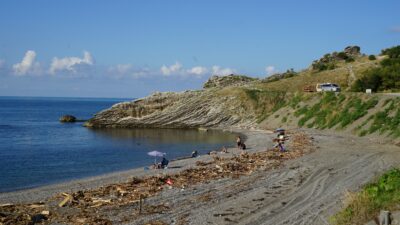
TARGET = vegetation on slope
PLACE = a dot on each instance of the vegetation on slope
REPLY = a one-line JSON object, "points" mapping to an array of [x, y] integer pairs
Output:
{"points": [[279, 76], [384, 78], [333, 110], [364, 206], [385, 120], [308, 77], [265, 102], [329, 61]]}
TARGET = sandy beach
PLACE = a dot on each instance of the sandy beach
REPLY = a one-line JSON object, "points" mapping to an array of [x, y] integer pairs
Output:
{"points": [[305, 190]]}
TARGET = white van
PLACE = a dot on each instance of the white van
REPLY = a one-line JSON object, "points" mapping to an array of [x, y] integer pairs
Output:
{"points": [[327, 87]]}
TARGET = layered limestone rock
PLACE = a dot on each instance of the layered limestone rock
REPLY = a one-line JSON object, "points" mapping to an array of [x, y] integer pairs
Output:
{"points": [[190, 109]]}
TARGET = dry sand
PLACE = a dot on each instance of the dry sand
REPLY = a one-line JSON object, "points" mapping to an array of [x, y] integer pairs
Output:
{"points": [[306, 190]]}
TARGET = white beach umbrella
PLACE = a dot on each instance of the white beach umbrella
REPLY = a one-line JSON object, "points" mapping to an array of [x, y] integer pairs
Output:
{"points": [[156, 154]]}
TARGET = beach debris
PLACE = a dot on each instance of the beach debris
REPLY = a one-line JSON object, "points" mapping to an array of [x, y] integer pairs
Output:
{"points": [[202, 163], [68, 198], [156, 222], [38, 218], [169, 181], [45, 212], [93, 206], [21, 214], [182, 219], [37, 205]]}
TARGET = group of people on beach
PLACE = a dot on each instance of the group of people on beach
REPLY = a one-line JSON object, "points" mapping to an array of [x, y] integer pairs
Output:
{"points": [[279, 144]]}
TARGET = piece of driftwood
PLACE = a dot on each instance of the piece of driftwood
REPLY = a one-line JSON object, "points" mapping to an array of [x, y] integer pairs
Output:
{"points": [[68, 198]]}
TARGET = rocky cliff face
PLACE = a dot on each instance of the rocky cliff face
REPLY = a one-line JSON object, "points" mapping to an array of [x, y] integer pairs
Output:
{"points": [[188, 109]]}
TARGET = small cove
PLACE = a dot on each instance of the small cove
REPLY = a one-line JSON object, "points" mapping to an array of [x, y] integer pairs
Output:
{"points": [[37, 150]]}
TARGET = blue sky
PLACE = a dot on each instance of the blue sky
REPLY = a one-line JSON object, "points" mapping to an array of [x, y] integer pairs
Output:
{"points": [[97, 48]]}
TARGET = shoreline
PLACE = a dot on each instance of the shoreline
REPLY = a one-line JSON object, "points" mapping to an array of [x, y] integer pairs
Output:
{"points": [[303, 186], [254, 137]]}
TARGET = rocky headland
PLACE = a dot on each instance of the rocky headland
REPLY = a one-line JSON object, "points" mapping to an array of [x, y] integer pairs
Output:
{"points": [[190, 109]]}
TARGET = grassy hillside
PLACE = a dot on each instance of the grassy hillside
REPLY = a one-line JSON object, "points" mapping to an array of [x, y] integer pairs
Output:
{"points": [[281, 102], [340, 75], [359, 113]]}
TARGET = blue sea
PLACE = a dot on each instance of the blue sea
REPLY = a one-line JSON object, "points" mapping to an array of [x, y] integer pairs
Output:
{"points": [[36, 149]]}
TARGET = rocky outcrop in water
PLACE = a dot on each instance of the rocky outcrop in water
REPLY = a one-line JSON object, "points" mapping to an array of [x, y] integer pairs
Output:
{"points": [[190, 109], [68, 119]]}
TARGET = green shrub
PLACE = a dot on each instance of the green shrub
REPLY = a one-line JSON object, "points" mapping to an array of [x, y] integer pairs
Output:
{"points": [[293, 103], [393, 52], [350, 59], [386, 77], [372, 57], [371, 80], [384, 193], [342, 55]]}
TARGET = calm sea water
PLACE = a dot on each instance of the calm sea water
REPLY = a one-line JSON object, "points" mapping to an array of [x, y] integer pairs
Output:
{"points": [[36, 150]]}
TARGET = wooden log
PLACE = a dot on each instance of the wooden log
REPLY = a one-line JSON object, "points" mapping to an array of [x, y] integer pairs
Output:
{"points": [[140, 204], [67, 199]]}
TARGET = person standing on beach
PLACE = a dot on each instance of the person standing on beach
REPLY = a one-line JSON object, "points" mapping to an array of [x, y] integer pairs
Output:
{"points": [[238, 142]]}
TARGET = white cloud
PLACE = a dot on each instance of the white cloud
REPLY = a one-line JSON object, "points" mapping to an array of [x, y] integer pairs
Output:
{"points": [[123, 68], [27, 65], [120, 69], [172, 69], [142, 72], [127, 70], [217, 70], [270, 70], [70, 63], [198, 70]]}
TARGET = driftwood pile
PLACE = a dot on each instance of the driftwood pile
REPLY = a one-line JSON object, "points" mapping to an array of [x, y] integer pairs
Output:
{"points": [[93, 206]]}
